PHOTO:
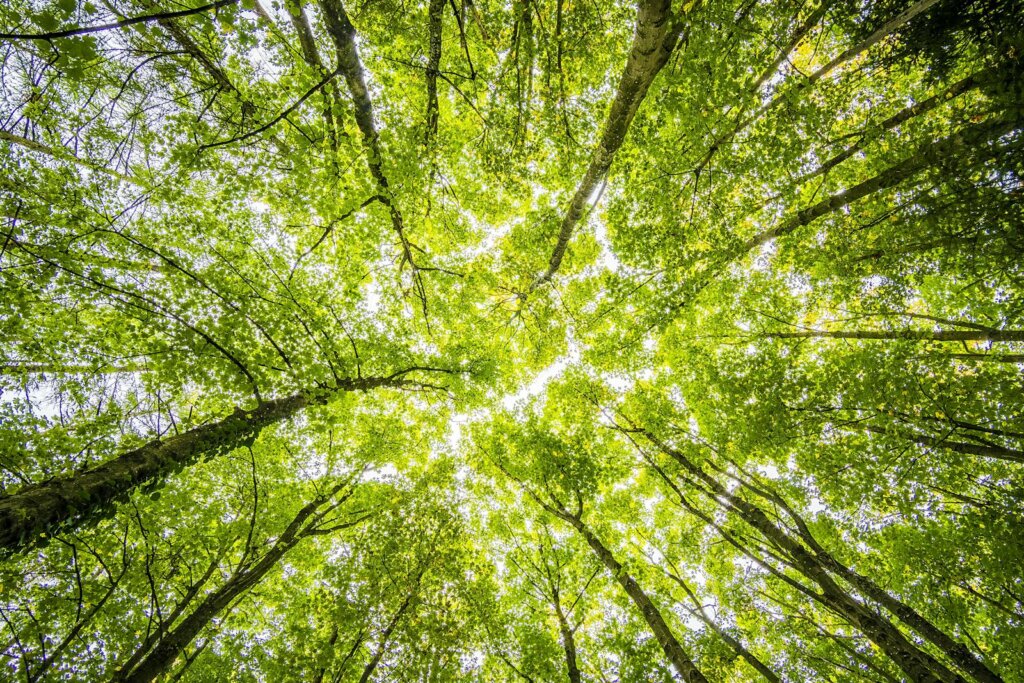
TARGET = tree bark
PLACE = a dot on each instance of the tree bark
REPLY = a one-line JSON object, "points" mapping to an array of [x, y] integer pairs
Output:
{"points": [[998, 452], [311, 55], [572, 669], [382, 644], [682, 663], [955, 651], [79, 498], [435, 15], [343, 33], [653, 42], [736, 645], [169, 648], [918, 665], [912, 335], [930, 154]]}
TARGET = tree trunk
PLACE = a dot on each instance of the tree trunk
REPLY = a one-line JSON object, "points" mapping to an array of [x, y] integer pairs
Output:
{"points": [[683, 665], [343, 33], [169, 648], [914, 335], [435, 15], [653, 42], [310, 54], [955, 651], [572, 669], [997, 452], [918, 665], [891, 26], [382, 645], [737, 646], [80, 498], [962, 143]]}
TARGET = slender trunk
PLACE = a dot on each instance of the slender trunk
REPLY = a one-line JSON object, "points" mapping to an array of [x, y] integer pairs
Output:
{"points": [[322, 671], [998, 452], [80, 498], [881, 33], [219, 76], [918, 665], [67, 155], [653, 42], [959, 88], [311, 55], [569, 645], [912, 335], [170, 647], [736, 645], [965, 142], [382, 644], [572, 669], [435, 15], [969, 145], [343, 34], [891, 26], [173, 617], [956, 652], [682, 663], [755, 90]]}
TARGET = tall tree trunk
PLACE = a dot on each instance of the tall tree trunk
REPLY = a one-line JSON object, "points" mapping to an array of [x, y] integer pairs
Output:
{"points": [[171, 646], [967, 143], [653, 42], [736, 645], [183, 604], [918, 665], [572, 669], [970, 146], [311, 55], [917, 109], [914, 335], [797, 37], [385, 636], [77, 499], [885, 30], [955, 651], [682, 663], [343, 34], [998, 452], [435, 15]]}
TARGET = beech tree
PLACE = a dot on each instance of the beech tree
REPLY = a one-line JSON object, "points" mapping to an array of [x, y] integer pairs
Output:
{"points": [[537, 340]]}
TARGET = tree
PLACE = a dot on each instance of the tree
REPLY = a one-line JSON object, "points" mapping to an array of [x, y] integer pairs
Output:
{"points": [[529, 341]]}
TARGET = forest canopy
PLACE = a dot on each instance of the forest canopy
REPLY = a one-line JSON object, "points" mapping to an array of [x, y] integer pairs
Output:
{"points": [[533, 340]]}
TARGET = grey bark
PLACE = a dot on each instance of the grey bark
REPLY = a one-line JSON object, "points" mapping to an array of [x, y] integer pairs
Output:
{"points": [[654, 40], [918, 665]]}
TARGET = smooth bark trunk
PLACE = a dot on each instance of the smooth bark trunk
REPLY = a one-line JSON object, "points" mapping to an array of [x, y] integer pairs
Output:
{"points": [[965, 142], [654, 40], [435, 15], [682, 663], [998, 452], [918, 665], [171, 646], [913, 335]]}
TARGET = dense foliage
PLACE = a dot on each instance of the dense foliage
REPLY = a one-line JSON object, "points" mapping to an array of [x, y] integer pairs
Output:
{"points": [[530, 340]]}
